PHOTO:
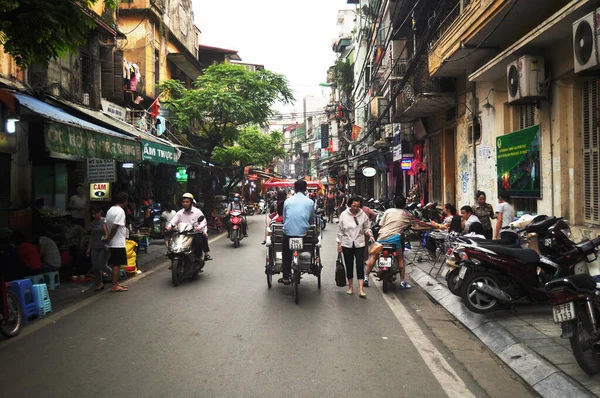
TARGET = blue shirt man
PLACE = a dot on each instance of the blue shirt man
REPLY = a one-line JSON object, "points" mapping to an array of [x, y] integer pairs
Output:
{"points": [[298, 216]]}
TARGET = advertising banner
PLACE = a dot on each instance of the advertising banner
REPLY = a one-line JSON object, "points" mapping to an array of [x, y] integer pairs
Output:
{"points": [[518, 163], [397, 150]]}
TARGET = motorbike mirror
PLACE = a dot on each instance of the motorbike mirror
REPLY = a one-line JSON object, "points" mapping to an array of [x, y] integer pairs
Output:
{"points": [[201, 218]]}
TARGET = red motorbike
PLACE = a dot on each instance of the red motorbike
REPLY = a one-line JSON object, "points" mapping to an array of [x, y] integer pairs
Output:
{"points": [[235, 227], [495, 275], [11, 317]]}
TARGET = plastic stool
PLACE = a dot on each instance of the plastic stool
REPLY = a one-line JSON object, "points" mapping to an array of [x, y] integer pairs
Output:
{"points": [[35, 279], [143, 245], [23, 288], [52, 279], [40, 292]]}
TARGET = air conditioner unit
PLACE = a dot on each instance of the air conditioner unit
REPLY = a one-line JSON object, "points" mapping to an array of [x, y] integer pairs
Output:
{"points": [[585, 43], [525, 79]]}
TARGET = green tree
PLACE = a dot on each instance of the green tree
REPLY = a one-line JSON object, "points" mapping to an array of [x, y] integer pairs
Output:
{"points": [[252, 148], [36, 31], [224, 99]]}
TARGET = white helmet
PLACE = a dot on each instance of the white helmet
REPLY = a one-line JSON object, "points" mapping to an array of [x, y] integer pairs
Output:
{"points": [[187, 195]]}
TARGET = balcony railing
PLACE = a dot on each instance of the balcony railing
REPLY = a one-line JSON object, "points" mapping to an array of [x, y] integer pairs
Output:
{"points": [[399, 70]]}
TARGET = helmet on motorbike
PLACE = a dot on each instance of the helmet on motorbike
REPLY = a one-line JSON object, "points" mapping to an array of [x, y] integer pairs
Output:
{"points": [[236, 197], [187, 195]]}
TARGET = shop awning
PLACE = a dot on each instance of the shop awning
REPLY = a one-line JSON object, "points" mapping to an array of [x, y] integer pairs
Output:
{"points": [[154, 149], [69, 135]]}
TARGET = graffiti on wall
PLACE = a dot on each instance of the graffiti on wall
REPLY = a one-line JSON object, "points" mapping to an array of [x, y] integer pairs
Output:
{"points": [[464, 174]]}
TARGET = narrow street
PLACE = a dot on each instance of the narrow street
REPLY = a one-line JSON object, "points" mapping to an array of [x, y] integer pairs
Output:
{"points": [[227, 335]]}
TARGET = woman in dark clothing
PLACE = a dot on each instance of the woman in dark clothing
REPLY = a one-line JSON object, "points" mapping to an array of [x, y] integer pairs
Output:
{"points": [[330, 205]]}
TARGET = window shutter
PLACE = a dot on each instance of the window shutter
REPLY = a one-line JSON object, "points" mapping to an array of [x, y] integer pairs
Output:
{"points": [[107, 72], [118, 95], [591, 160]]}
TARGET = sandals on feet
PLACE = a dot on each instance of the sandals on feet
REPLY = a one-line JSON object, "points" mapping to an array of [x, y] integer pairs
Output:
{"points": [[362, 295], [349, 292], [119, 289], [98, 288], [288, 282]]}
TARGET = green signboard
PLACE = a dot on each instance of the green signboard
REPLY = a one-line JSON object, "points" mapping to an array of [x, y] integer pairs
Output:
{"points": [[518, 163], [159, 153], [75, 141]]}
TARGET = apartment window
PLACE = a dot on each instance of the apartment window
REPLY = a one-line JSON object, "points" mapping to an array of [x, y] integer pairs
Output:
{"points": [[591, 161], [526, 114]]}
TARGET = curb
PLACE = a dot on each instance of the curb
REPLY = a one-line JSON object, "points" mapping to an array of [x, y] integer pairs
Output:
{"points": [[546, 379]]}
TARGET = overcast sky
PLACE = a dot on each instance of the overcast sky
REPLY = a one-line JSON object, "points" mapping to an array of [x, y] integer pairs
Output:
{"points": [[289, 37]]}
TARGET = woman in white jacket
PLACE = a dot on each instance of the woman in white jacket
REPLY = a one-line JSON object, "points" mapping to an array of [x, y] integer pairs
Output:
{"points": [[353, 226]]}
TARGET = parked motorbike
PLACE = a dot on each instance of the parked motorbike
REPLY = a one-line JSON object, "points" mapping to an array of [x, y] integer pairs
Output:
{"points": [[184, 264], [504, 274], [250, 210], [235, 227], [321, 218], [262, 207], [576, 301], [11, 314]]}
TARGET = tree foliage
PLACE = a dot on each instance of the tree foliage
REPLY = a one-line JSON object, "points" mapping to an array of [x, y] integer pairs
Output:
{"points": [[252, 148], [36, 31], [222, 100], [343, 76]]}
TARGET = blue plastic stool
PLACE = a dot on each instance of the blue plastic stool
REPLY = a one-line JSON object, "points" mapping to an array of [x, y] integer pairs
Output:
{"points": [[52, 279], [40, 292], [23, 288], [36, 279], [143, 245]]}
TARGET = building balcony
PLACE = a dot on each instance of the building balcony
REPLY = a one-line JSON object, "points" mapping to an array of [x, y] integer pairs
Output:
{"points": [[158, 7], [474, 30], [423, 95]]}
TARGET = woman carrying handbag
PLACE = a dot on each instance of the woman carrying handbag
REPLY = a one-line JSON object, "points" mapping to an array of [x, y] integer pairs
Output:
{"points": [[353, 226]]}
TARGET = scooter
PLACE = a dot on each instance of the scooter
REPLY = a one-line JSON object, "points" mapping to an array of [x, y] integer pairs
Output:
{"points": [[576, 301], [387, 266], [235, 227], [184, 264], [11, 314], [250, 210], [502, 274], [262, 207]]}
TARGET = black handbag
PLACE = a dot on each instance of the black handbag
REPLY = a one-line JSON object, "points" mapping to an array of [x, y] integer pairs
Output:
{"points": [[340, 271]]}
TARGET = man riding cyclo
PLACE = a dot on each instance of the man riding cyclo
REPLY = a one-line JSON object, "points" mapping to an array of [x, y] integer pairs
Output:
{"points": [[238, 205], [393, 224], [190, 214]]}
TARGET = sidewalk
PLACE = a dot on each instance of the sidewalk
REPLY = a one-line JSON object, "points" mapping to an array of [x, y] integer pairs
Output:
{"points": [[70, 292], [525, 337]]}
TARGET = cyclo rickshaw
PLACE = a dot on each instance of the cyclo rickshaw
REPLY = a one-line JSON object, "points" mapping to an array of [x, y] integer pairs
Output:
{"points": [[306, 257]]}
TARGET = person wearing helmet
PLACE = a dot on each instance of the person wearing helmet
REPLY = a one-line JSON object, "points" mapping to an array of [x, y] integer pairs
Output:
{"points": [[190, 214], [237, 204]]}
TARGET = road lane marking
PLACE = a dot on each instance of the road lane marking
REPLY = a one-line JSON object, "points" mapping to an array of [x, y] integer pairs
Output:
{"points": [[450, 382], [84, 303]]}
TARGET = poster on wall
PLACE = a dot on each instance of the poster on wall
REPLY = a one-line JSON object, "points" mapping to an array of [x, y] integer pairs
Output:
{"points": [[518, 163], [397, 150]]}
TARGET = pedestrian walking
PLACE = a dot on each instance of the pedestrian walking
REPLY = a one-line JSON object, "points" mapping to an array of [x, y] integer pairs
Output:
{"points": [[353, 227], [96, 248], [115, 242], [505, 213], [165, 218]]}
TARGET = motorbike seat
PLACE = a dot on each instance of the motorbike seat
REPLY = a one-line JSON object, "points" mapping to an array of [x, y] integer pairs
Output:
{"points": [[527, 256], [491, 242], [581, 282], [541, 225]]}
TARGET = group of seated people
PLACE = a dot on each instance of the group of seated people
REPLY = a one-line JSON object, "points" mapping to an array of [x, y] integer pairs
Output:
{"points": [[36, 259]]}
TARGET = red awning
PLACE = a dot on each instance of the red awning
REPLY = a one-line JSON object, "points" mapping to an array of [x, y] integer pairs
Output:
{"points": [[279, 183]]}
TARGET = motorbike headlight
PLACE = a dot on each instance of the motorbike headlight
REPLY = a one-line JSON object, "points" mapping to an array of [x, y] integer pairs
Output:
{"points": [[567, 232]]}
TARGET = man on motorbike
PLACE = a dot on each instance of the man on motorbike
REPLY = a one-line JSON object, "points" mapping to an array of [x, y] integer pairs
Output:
{"points": [[393, 224], [190, 214], [237, 205]]}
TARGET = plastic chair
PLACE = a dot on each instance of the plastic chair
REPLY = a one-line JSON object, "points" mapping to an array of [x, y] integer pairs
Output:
{"points": [[40, 292], [36, 279], [23, 288], [52, 279], [143, 245]]}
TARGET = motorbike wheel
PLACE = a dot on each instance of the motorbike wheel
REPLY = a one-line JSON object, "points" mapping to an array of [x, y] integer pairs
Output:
{"points": [[175, 265], [385, 281], [583, 342], [12, 326], [452, 278], [296, 278], [476, 301], [236, 240]]}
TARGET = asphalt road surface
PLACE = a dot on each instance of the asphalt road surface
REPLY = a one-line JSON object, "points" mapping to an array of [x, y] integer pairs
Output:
{"points": [[227, 335]]}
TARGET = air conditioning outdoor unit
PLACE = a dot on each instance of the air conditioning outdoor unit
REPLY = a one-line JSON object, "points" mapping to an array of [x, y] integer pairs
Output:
{"points": [[585, 43], [525, 79]]}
